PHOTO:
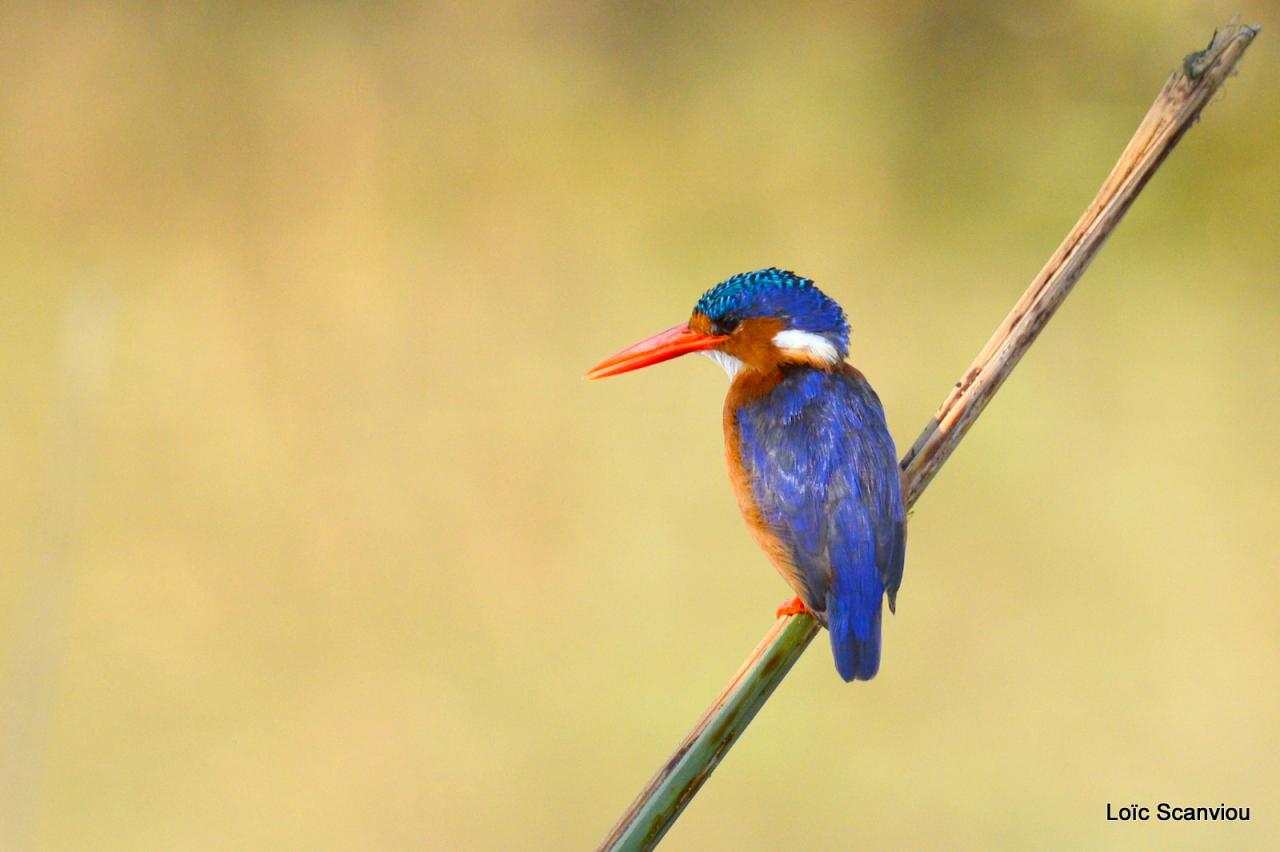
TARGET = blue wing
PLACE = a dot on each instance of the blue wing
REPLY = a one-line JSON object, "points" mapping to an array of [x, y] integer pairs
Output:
{"points": [[824, 474]]}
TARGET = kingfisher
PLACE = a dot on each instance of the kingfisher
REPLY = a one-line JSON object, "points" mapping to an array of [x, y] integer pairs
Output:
{"points": [[812, 464]]}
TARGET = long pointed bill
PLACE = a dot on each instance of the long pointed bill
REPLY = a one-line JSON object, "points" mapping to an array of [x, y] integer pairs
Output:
{"points": [[672, 343]]}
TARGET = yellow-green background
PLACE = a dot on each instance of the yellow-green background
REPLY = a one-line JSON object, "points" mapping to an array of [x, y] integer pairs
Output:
{"points": [[315, 538]]}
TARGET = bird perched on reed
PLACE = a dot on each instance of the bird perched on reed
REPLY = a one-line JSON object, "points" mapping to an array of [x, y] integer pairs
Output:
{"points": [[810, 456]]}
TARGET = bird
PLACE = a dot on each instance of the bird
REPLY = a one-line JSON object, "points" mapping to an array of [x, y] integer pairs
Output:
{"points": [[810, 457]]}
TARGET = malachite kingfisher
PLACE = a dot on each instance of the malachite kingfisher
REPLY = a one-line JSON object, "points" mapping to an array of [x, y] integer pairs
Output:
{"points": [[810, 456]]}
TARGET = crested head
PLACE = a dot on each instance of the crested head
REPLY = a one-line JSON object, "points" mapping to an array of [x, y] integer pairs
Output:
{"points": [[772, 317]]}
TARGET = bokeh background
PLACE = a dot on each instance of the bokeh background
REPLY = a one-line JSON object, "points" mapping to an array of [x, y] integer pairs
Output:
{"points": [[316, 538]]}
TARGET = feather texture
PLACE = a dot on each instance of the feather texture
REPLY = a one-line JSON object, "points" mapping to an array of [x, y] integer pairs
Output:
{"points": [[817, 479]]}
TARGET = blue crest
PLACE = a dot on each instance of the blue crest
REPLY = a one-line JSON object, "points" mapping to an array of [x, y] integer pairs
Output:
{"points": [[776, 293]]}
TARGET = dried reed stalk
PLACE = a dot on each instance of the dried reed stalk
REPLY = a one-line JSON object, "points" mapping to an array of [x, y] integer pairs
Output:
{"points": [[1176, 108]]}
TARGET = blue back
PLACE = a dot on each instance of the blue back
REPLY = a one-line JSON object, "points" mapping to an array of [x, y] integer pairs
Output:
{"points": [[825, 477]]}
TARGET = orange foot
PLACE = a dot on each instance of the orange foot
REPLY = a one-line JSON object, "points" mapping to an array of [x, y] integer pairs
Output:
{"points": [[795, 606]]}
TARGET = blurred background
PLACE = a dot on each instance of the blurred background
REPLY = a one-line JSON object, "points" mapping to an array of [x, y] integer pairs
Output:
{"points": [[316, 538]]}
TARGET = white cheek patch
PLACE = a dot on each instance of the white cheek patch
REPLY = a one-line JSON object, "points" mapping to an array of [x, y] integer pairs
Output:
{"points": [[727, 362], [806, 346]]}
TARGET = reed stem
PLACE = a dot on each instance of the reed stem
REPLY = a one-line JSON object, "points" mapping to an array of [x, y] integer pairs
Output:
{"points": [[1175, 110]]}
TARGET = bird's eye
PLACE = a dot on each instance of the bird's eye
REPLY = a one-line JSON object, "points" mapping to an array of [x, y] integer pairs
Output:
{"points": [[725, 326]]}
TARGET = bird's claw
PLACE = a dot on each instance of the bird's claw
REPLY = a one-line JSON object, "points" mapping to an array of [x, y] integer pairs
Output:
{"points": [[795, 606]]}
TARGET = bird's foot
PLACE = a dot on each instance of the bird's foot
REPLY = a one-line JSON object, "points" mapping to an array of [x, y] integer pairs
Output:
{"points": [[795, 606]]}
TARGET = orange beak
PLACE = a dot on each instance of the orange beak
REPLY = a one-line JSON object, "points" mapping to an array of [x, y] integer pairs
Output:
{"points": [[671, 343]]}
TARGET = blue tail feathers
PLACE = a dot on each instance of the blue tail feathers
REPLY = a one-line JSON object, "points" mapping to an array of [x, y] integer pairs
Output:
{"points": [[857, 651]]}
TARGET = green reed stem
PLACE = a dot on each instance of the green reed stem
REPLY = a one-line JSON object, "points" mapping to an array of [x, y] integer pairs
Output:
{"points": [[1175, 110]]}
